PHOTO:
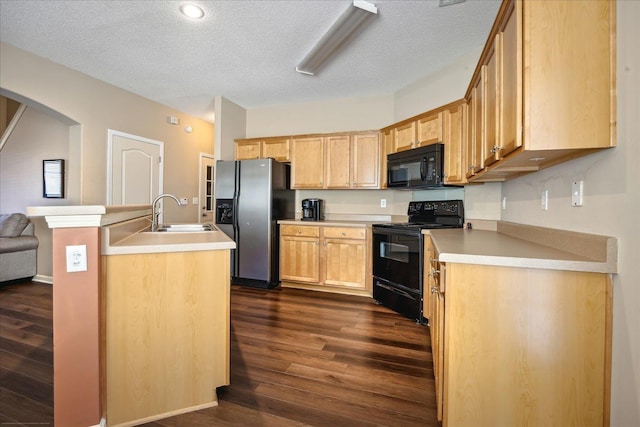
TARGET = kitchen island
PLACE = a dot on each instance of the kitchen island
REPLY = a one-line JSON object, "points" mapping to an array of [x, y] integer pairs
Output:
{"points": [[520, 321], [166, 299], [142, 332]]}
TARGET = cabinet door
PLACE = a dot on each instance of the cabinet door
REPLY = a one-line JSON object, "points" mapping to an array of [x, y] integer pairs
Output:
{"points": [[404, 137], [307, 162], [511, 81], [437, 348], [299, 259], [338, 152], [479, 121], [429, 130], [388, 147], [470, 157], [345, 263], [248, 149], [427, 280], [365, 160], [491, 147], [276, 149], [453, 145]]}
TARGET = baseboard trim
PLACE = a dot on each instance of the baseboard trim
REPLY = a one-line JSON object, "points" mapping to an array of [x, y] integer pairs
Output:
{"points": [[43, 279]]}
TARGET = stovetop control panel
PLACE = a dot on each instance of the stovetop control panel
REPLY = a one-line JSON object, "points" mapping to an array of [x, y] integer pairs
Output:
{"points": [[436, 208]]}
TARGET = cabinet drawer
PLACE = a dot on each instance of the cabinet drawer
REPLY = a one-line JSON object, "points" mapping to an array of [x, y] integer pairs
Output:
{"points": [[300, 230], [345, 233]]}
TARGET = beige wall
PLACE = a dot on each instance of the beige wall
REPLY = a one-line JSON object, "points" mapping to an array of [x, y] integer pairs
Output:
{"points": [[37, 137], [231, 124], [97, 107], [338, 115]]}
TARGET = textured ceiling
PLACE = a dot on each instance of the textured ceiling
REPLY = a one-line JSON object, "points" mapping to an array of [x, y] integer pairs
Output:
{"points": [[244, 50]]}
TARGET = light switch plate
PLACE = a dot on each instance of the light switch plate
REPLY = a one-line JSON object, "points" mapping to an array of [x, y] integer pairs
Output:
{"points": [[76, 258], [577, 187]]}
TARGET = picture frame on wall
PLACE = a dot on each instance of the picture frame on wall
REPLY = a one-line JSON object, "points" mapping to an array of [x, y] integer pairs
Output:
{"points": [[53, 179]]}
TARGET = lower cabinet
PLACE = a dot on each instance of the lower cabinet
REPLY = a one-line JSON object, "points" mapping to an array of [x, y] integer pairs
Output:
{"points": [[521, 346], [326, 258]]}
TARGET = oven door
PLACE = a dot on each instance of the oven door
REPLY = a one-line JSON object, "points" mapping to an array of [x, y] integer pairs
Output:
{"points": [[398, 257]]}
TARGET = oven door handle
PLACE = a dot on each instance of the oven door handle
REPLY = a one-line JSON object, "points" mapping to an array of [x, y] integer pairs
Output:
{"points": [[395, 290]]}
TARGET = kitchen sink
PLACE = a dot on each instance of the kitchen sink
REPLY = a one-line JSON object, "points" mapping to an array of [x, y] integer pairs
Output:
{"points": [[186, 228]]}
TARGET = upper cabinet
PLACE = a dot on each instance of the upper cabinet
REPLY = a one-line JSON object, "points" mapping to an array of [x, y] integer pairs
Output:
{"points": [[544, 89], [454, 139], [336, 161], [262, 148], [416, 132]]}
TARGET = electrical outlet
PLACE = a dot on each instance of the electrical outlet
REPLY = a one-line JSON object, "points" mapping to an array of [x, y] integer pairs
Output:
{"points": [[194, 201], [544, 200], [183, 201], [76, 258], [383, 203]]}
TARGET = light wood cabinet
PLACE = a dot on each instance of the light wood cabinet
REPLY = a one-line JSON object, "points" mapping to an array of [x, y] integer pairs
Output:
{"points": [[262, 148], [454, 142], [429, 129], [276, 148], [300, 253], [338, 166], [166, 333], [522, 343], [366, 160], [336, 161], [326, 258], [433, 307], [543, 101], [248, 149], [307, 162], [417, 132], [345, 252], [404, 136]]}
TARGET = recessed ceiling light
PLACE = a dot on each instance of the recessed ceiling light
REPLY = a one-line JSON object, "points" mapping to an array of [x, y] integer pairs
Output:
{"points": [[192, 11]]}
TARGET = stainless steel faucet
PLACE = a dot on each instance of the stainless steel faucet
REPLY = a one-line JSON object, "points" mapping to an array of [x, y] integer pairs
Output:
{"points": [[154, 209]]}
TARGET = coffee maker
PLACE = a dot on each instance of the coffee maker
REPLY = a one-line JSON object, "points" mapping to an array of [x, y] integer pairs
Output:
{"points": [[312, 210]]}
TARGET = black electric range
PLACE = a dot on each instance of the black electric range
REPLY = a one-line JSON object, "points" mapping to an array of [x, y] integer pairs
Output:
{"points": [[398, 258]]}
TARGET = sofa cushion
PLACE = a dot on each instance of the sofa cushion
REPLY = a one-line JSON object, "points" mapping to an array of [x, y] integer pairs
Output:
{"points": [[12, 225]]}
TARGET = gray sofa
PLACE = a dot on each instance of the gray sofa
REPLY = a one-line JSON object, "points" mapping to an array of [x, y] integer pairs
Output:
{"points": [[18, 247]]}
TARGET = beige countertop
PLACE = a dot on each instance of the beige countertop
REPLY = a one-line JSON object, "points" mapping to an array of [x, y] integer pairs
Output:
{"points": [[329, 223], [515, 245], [130, 237]]}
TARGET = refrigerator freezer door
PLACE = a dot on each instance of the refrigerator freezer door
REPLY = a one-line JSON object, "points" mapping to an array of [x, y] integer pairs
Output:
{"points": [[254, 207], [225, 181]]}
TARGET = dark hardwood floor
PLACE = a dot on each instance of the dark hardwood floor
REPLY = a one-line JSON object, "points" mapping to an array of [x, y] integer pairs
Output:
{"points": [[26, 354], [298, 358]]}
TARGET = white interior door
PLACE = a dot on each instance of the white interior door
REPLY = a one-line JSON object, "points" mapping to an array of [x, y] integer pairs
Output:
{"points": [[207, 165], [135, 169]]}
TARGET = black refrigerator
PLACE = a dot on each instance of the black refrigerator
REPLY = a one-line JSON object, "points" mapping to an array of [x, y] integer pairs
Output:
{"points": [[251, 196]]}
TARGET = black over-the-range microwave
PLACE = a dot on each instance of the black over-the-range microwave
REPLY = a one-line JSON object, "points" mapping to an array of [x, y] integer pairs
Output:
{"points": [[418, 168]]}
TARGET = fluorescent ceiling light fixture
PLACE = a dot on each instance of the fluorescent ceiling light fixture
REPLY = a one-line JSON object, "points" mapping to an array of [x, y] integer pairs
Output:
{"points": [[444, 3], [352, 18], [192, 11]]}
